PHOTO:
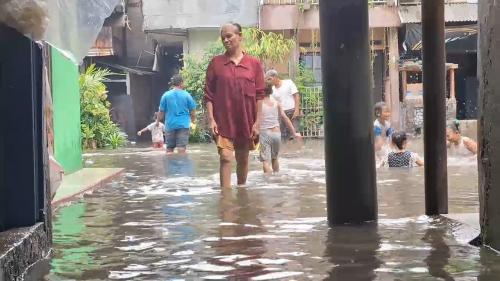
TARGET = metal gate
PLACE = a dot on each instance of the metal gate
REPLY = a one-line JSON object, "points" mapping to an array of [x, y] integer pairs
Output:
{"points": [[312, 125]]}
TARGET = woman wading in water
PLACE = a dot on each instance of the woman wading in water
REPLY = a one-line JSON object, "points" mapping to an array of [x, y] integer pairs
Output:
{"points": [[234, 91]]}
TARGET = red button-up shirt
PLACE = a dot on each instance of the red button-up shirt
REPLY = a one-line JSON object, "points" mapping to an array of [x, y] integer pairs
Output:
{"points": [[234, 91]]}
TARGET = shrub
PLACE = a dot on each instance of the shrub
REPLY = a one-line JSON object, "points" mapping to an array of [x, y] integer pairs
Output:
{"points": [[98, 130]]}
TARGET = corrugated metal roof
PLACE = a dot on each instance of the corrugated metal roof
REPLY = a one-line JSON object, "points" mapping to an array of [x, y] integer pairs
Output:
{"points": [[464, 12]]}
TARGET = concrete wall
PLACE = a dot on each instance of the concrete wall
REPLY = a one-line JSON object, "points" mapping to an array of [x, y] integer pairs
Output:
{"points": [[66, 102], [138, 43], [198, 39], [488, 129], [279, 17], [184, 14]]}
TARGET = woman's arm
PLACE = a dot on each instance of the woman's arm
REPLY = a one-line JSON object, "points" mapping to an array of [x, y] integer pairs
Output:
{"points": [[470, 145], [287, 121]]}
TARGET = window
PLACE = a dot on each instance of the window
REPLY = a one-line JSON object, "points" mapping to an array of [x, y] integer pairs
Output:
{"points": [[312, 61]]}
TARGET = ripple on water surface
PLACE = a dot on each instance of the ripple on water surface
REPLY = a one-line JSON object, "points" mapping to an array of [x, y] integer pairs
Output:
{"points": [[166, 219]]}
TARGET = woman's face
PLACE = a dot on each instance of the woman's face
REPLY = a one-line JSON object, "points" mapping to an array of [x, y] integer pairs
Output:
{"points": [[452, 136], [231, 37]]}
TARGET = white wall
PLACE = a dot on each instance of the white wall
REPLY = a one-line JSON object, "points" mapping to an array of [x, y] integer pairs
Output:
{"points": [[198, 39], [184, 14]]}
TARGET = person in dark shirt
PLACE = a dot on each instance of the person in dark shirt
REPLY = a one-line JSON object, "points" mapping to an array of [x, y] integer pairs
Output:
{"points": [[401, 157], [234, 91]]}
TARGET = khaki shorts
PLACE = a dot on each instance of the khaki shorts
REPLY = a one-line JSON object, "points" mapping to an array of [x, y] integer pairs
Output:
{"points": [[225, 143]]}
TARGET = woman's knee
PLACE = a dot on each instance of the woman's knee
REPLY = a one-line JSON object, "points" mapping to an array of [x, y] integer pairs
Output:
{"points": [[226, 156], [242, 156]]}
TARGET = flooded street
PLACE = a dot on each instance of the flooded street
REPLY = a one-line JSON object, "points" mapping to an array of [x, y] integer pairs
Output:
{"points": [[166, 219]]}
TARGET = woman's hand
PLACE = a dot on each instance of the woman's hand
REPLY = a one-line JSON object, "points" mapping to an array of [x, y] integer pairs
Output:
{"points": [[255, 131], [213, 128]]}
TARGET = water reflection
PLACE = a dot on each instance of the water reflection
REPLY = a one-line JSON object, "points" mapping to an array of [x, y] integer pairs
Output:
{"points": [[179, 165], [352, 251], [166, 219], [439, 255]]}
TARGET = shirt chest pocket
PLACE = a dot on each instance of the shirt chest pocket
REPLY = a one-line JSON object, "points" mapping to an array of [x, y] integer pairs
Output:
{"points": [[247, 85]]}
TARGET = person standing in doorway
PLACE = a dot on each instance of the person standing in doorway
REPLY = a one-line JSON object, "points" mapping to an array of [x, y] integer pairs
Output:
{"points": [[287, 94], [178, 109], [234, 91]]}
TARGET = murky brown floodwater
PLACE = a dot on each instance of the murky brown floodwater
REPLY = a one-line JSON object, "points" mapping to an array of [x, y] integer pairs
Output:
{"points": [[167, 220]]}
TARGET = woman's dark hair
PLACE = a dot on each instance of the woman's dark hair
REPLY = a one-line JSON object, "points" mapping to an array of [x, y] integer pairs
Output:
{"points": [[454, 126], [268, 90], [399, 139], [379, 107]]}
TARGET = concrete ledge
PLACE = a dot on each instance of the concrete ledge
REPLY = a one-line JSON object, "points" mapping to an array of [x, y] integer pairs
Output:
{"points": [[20, 248], [466, 227], [77, 184]]}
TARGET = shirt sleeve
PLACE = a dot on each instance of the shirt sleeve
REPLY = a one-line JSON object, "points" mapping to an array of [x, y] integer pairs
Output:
{"points": [[163, 104], [191, 103], [378, 131], [413, 159], [293, 88], [151, 126], [260, 84], [210, 83]]}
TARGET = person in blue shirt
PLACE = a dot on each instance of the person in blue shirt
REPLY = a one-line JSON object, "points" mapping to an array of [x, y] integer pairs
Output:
{"points": [[178, 109]]}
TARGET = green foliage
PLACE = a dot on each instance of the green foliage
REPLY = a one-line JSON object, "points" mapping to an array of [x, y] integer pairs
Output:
{"points": [[304, 78], [268, 47], [98, 130], [200, 134], [117, 139], [312, 108]]}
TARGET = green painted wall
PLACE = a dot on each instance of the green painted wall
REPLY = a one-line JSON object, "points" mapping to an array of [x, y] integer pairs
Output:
{"points": [[66, 101]]}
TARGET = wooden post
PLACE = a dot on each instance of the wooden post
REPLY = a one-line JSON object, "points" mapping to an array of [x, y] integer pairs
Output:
{"points": [[452, 84], [434, 80], [395, 104], [404, 81], [348, 101]]}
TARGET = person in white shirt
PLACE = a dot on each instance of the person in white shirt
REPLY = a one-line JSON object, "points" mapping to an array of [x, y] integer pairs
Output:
{"points": [[287, 94], [156, 129]]}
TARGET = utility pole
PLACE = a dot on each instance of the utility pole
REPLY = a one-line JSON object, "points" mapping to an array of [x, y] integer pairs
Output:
{"points": [[434, 80], [348, 101]]}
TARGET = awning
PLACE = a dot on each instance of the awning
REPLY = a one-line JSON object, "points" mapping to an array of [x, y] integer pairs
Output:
{"points": [[127, 69], [458, 39], [464, 12]]}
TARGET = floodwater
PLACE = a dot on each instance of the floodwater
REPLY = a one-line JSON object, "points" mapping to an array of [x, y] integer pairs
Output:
{"points": [[166, 219]]}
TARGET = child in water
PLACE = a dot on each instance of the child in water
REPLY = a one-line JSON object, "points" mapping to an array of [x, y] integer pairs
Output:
{"points": [[270, 134], [402, 158], [156, 130], [382, 131], [458, 145]]}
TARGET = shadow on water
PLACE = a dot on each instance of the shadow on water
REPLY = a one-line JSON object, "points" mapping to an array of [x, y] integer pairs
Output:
{"points": [[166, 219]]}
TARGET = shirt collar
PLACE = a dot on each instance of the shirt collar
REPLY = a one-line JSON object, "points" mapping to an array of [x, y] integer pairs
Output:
{"points": [[243, 62]]}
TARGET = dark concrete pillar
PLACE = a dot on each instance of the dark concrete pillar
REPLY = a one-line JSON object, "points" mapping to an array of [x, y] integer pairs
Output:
{"points": [[350, 160], [488, 121], [22, 190], [434, 79]]}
